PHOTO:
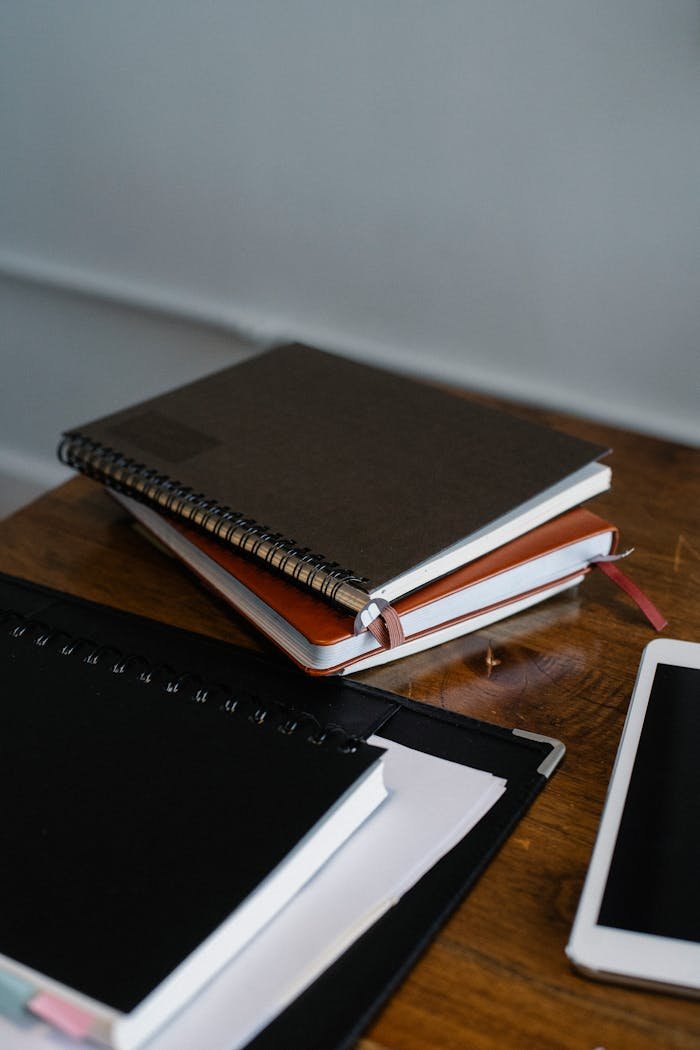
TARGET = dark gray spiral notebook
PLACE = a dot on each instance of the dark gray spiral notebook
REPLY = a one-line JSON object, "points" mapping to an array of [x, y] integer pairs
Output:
{"points": [[355, 481], [180, 706]]}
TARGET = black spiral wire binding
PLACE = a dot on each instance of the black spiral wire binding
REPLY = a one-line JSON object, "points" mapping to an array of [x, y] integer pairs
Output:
{"points": [[189, 686], [110, 467]]}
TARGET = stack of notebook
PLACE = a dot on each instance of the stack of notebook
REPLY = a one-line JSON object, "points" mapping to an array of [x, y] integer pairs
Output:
{"points": [[352, 515]]}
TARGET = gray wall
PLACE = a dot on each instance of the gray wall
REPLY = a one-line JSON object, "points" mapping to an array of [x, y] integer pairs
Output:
{"points": [[503, 194]]}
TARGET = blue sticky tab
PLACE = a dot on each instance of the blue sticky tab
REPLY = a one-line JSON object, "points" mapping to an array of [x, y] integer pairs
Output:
{"points": [[15, 992]]}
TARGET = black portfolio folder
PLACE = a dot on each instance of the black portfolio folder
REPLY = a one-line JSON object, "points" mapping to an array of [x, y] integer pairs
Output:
{"points": [[332, 1013]]}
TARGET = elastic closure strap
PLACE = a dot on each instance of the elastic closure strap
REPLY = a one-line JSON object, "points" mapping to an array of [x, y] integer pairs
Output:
{"points": [[381, 620], [654, 616]]}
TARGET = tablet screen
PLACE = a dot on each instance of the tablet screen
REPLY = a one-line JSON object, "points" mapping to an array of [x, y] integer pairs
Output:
{"points": [[653, 884]]}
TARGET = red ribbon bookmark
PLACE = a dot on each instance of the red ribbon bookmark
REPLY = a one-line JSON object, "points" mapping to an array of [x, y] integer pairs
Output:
{"points": [[653, 615]]}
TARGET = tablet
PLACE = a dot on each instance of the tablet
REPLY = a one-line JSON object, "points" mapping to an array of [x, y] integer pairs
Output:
{"points": [[638, 920]]}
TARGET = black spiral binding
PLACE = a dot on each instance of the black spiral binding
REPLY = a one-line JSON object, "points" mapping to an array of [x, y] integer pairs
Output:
{"points": [[271, 713], [112, 468]]}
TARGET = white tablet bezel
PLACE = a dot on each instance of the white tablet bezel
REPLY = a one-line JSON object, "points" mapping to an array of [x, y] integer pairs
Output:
{"points": [[623, 955]]}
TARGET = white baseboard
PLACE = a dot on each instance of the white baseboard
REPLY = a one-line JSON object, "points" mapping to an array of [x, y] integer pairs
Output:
{"points": [[547, 388], [140, 295]]}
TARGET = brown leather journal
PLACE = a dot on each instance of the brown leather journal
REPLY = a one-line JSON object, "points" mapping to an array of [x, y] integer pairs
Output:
{"points": [[321, 639]]}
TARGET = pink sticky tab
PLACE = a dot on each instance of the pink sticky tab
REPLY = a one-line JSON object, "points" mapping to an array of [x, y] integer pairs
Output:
{"points": [[64, 1016]]}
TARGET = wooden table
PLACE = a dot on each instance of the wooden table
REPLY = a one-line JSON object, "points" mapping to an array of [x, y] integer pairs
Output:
{"points": [[496, 977]]}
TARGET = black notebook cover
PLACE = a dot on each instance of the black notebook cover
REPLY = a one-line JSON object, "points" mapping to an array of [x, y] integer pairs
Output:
{"points": [[140, 809], [336, 1008]]}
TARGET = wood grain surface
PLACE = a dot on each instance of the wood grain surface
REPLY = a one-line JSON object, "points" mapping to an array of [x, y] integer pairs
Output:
{"points": [[496, 977]]}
